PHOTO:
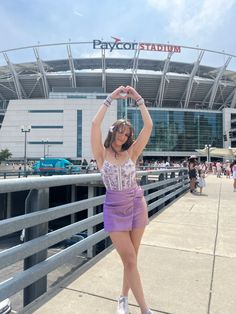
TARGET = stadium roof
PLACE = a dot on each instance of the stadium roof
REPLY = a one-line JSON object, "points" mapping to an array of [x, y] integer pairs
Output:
{"points": [[162, 83]]}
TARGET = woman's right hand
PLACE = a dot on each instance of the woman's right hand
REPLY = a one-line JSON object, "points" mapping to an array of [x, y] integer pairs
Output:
{"points": [[120, 92], [132, 93]]}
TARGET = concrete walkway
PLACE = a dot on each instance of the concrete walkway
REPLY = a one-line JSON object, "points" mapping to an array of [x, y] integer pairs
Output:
{"points": [[187, 262]]}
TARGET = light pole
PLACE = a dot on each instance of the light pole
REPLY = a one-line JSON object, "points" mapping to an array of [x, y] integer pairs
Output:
{"points": [[25, 129], [44, 147], [48, 150], [208, 147]]}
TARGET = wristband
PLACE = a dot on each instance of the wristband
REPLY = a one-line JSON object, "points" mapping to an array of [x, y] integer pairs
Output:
{"points": [[108, 101], [139, 101]]}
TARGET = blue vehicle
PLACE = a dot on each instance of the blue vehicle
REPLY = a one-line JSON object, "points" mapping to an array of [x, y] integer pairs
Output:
{"points": [[49, 166]]}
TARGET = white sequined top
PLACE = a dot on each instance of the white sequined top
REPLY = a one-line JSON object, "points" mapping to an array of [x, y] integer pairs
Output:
{"points": [[119, 177]]}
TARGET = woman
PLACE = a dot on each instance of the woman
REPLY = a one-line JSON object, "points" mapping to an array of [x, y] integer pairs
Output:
{"points": [[227, 169], [201, 180], [125, 209], [192, 173], [234, 174]]}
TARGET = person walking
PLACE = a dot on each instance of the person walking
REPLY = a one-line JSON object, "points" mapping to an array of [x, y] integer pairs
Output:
{"points": [[227, 169], [84, 165], [218, 169], [201, 180], [192, 173], [234, 174], [125, 208]]}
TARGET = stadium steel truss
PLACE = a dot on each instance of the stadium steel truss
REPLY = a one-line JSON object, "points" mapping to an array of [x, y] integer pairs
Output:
{"points": [[162, 83]]}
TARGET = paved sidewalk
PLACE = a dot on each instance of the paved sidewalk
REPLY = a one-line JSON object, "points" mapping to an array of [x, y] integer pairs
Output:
{"points": [[187, 262]]}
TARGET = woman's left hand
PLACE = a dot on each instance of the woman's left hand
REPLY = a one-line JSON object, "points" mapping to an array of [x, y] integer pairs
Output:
{"points": [[120, 92], [132, 93]]}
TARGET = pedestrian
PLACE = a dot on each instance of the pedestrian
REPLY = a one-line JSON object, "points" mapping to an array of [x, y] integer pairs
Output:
{"points": [[91, 166], [84, 165], [227, 169], [192, 173], [234, 174], [201, 180], [125, 208], [218, 169]]}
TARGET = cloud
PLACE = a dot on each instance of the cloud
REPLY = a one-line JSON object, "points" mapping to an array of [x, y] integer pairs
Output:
{"points": [[76, 12], [165, 5], [192, 19]]}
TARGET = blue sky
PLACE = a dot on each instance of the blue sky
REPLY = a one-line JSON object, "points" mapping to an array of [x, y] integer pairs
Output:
{"points": [[208, 24]]}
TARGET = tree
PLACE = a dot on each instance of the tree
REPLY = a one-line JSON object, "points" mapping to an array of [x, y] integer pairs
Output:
{"points": [[5, 154]]}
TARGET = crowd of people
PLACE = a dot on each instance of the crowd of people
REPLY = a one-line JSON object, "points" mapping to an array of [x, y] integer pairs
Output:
{"points": [[198, 172]]}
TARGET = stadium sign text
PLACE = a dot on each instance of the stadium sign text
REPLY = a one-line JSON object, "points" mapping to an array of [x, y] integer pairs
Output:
{"points": [[119, 45]]}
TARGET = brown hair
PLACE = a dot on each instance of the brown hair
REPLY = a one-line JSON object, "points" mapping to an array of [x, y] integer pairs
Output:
{"points": [[117, 126]]}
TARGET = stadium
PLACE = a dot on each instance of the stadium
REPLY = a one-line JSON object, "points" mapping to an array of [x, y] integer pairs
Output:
{"points": [[52, 95]]}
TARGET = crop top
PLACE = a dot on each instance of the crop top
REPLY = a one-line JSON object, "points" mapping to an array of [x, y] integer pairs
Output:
{"points": [[119, 177]]}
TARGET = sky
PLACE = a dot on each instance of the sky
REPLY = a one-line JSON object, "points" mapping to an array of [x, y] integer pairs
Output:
{"points": [[208, 24]]}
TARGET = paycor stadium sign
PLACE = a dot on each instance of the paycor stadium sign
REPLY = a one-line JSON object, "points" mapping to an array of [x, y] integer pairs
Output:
{"points": [[120, 45]]}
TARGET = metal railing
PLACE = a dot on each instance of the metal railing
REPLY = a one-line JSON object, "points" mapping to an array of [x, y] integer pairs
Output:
{"points": [[161, 187], [4, 174]]}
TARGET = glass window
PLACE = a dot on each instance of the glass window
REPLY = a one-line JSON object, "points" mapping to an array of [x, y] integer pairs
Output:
{"points": [[180, 130]]}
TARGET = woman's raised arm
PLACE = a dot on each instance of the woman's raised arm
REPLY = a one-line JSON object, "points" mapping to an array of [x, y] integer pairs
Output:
{"points": [[144, 135], [96, 133]]}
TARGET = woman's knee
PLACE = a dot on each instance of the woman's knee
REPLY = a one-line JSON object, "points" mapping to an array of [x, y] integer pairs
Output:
{"points": [[130, 261]]}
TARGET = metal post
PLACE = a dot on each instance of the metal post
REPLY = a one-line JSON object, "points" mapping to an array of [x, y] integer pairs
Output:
{"points": [[44, 147], [9, 205], [90, 252], [48, 150], [208, 147], [25, 160], [44, 150], [35, 201], [72, 199], [126, 109], [25, 129]]}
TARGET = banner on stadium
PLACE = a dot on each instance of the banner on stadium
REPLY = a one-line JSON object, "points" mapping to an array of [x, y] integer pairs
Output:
{"points": [[120, 45]]}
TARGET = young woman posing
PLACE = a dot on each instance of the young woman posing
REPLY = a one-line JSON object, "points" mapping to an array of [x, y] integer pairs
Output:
{"points": [[125, 209]]}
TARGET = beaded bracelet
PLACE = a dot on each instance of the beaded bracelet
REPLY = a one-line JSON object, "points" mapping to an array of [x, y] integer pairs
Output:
{"points": [[108, 101], [140, 101]]}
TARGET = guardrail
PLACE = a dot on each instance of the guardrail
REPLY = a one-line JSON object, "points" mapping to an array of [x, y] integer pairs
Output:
{"points": [[161, 187], [4, 174], [20, 173]]}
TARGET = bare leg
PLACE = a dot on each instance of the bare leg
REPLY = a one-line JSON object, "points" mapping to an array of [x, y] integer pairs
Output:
{"points": [[192, 184], [136, 237], [124, 246]]}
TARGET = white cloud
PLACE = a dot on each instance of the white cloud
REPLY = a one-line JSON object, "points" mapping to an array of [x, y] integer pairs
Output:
{"points": [[191, 19], [166, 5], [76, 12]]}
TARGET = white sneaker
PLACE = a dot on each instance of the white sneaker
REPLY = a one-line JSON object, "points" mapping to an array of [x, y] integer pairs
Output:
{"points": [[149, 312], [122, 306]]}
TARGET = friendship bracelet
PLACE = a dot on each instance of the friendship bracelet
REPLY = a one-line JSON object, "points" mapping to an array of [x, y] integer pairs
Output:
{"points": [[106, 104], [140, 101], [108, 101]]}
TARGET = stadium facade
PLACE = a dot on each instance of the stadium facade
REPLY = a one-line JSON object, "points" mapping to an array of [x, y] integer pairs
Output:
{"points": [[192, 105]]}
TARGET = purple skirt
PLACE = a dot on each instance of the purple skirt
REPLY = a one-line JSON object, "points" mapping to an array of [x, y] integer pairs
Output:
{"points": [[125, 210]]}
